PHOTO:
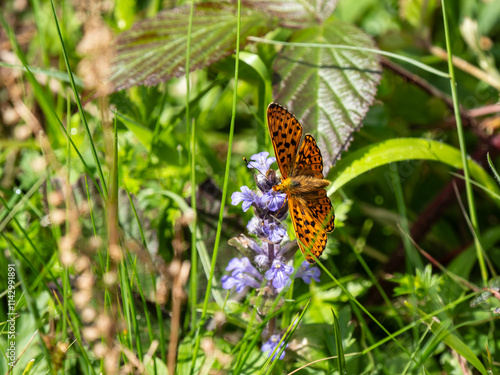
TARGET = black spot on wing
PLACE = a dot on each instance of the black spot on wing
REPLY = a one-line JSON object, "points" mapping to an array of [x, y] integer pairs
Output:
{"points": [[286, 133], [309, 160]]}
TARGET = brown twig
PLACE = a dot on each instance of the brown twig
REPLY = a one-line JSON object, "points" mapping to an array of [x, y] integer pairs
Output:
{"points": [[417, 80], [426, 86], [466, 67], [483, 111]]}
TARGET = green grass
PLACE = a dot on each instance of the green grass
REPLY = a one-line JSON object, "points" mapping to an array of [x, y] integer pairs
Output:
{"points": [[116, 209]]}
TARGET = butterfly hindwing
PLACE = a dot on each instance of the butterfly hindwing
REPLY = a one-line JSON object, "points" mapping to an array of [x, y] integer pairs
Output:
{"points": [[286, 133], [310, 234], [309, 160], [321, 207]]}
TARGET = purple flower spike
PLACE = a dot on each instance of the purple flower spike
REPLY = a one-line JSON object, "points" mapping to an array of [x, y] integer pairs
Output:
{"points": [[247, 196], [242, 265], [240, 281], [275, 200], [273, 231], [306, 272], [271, 344], [279, 274], [261, 162]]}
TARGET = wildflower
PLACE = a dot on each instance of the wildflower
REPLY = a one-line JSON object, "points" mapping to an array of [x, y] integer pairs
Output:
{"points": [[261, 162], [275, 200], [306, 272], [273, 231], [242, 265], [264, 265], [279, 274], [271, 344], [240, 280], [266, 178], [247, 196]]}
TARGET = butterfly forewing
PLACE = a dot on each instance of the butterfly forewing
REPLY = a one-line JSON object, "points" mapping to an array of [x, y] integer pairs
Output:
{"points": [[286, 133], [311, 237], [309, 161]]}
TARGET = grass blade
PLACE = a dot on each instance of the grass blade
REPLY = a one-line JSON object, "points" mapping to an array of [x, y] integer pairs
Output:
{"points": [[339, 346]]}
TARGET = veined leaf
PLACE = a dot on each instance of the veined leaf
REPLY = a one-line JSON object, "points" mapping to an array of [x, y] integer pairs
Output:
{"points": [[154, 50], [295, 13], [328, 90]]}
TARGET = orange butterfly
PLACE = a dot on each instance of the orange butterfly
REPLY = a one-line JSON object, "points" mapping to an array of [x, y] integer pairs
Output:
{"points": [[302, 181]]}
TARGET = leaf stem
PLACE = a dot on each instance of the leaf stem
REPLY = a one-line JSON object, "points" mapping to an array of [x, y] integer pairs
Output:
{"points": [[363, 49]]}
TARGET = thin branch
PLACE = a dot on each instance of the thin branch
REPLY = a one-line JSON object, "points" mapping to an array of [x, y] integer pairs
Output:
{"points": [[466, 67], [485, 110], [418, 81]]}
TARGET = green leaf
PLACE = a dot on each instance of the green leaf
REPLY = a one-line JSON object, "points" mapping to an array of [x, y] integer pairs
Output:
{"points": [[338, 344], [454, 342], [417, 12], [295, 13], [488, 17], [154, 50], [29, 367], [125, 11], [143, 134], [495, 173], [149, 362], [328, 90], [399, 149]]}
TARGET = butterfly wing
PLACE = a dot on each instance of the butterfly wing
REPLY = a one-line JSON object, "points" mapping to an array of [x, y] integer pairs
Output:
{"points": [[321, 208], [286, 133], [310, 233], [309, 161]]}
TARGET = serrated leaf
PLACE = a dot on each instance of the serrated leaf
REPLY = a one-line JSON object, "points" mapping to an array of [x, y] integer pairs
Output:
{"points": [[295, 13], [154, 50], [328, 90]]}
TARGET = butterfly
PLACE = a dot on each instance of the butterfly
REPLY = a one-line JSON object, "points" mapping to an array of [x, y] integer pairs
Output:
{"points": [[302, 181]]}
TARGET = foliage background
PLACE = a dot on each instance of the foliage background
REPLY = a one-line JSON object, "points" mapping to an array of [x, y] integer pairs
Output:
{"points": [[101, 228]]}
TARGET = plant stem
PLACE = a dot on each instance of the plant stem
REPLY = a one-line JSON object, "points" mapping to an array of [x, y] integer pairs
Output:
{"points": [[193, 282], [461, 141], [224, 194]]}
